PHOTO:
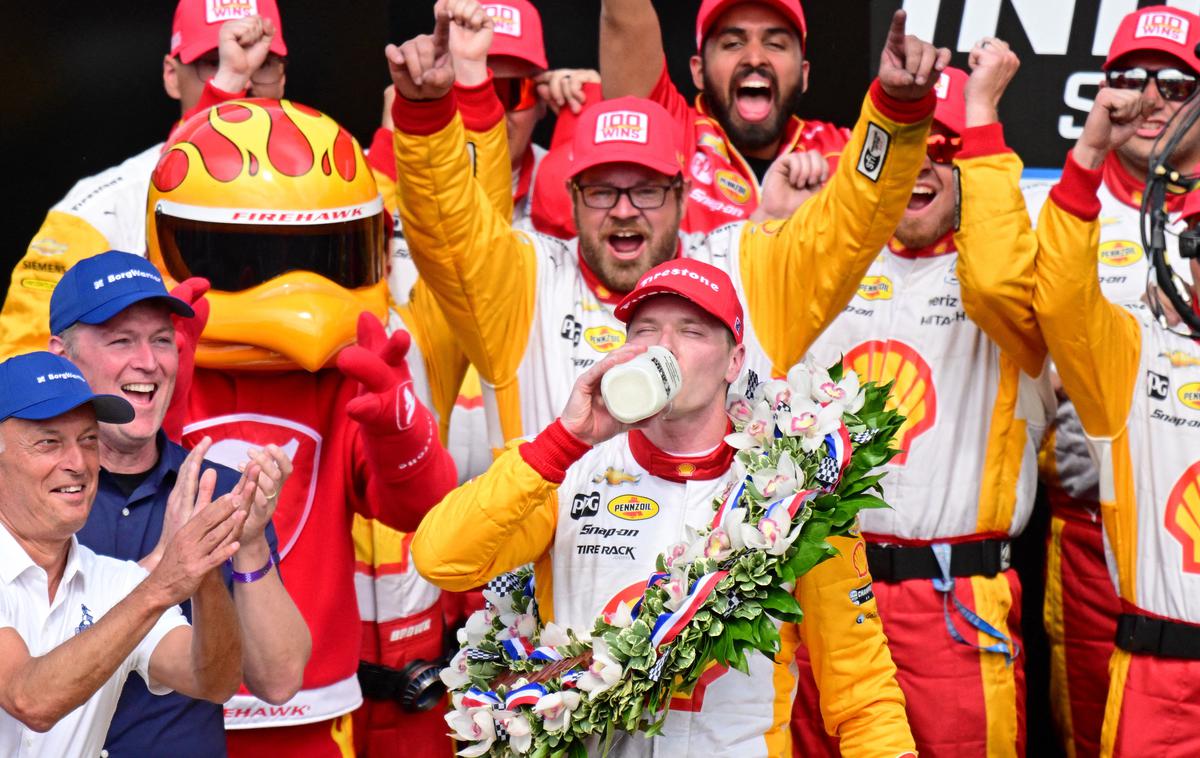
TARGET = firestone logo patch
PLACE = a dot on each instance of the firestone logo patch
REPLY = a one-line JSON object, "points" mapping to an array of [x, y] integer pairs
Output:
{"points": [[218, 11], [505, 19], [623, 126], [1163, 25]]}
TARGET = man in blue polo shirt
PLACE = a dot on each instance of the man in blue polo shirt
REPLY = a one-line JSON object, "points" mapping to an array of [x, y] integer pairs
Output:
{"points": [[111, 315]]}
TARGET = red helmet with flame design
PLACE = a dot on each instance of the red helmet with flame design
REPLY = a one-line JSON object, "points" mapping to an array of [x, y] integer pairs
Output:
{"points": [[273, 203]]}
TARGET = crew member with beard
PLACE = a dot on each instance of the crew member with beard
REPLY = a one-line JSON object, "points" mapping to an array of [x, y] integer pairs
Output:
{"points": [[945, 314], [535, 312], [752, 73], [1153, 50]]}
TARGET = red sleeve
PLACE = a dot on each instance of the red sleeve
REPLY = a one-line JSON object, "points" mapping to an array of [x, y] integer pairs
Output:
{"points": [[553, 451], [1076, 190], [380, 157], [478, 104], [983, 140], [564, 124], [665, 94]]}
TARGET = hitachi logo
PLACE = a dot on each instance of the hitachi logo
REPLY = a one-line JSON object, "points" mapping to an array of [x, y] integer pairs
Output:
{"points": [[296, 217]]}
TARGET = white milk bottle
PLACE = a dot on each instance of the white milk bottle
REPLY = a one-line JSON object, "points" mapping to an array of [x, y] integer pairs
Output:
{"points": [[641, 387]]}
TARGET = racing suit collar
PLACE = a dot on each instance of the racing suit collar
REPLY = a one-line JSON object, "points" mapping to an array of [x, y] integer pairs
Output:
{"points": [[1129, 190], [944, 246], [791, 135], [602, 293], [680, 468]]}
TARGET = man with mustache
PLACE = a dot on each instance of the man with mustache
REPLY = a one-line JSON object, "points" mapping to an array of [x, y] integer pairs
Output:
{"points": [[535, 312], [751, 70]]}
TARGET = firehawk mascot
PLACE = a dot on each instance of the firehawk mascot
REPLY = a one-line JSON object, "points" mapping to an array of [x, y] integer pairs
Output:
{"points": [[273, 203]]}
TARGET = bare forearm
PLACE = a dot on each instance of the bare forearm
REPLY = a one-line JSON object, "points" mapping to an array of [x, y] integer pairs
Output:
{"points": [[276, 643], [50, 686], [629, 37], [216, 642]]}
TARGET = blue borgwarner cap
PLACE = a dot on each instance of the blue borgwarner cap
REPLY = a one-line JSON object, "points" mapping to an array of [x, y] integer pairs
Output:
{"points": [[43, 385], [98, 288]]}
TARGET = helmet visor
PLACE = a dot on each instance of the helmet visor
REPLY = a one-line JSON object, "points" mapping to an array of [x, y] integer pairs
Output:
{"points": [[235, 257]]}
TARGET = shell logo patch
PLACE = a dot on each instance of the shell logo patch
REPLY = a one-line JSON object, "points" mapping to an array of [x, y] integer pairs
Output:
{"points": [[1189, 395], [1183, 517], [875, 288], [913, 390], [633, 507], [685, 469], [733, 186], [604, 339], [1120, 253]]}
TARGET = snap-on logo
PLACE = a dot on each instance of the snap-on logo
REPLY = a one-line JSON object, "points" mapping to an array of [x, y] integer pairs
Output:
{"points": [[506, 19], [622, 126], [1163, 25], [633, 507]]}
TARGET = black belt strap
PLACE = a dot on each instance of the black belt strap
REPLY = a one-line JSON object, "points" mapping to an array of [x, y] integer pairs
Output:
{"points": [[894, 563], [380, 682], [1158, 637]]}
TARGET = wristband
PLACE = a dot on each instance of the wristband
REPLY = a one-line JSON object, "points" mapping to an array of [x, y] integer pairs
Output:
{"points": [[251, 576]]}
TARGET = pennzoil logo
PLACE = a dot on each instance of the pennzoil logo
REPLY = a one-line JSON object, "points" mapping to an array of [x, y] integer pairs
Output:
{"points": [[1120, 253], [875, 288], [733, 186], [1183, 516], [633, 507], [604, 339], [1189, 395], [913, 391]]}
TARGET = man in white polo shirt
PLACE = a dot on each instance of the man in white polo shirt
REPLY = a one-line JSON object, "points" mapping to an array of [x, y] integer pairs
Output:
{"points": [[73, 624]]}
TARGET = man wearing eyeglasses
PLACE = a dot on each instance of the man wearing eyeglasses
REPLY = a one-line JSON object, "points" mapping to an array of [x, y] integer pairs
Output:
{"points": [[967, 367], [1153, 51], [534, 313], [218, 52]]}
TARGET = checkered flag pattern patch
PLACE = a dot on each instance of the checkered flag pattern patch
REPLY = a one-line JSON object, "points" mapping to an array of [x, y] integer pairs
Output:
{"points": [[861, 438], [734, 602], [827, 471], [501, 733], [475, 654], [655, 672], [505, 584]]}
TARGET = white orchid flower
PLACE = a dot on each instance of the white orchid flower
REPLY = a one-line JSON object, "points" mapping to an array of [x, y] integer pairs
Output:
{"points": [[554, 635], [844, 393], [604, 672], [773, 529], [811, 423], [478, 624], [555, 709], [472, 725], [800, 379], [739, 410], [757, 432], [520, 735], [674, 553], [517, 625], [501, 603], [455, 676], [741, 535], [676, 587], [717, 544], [777, 393], [621, 616], [777, 482]]}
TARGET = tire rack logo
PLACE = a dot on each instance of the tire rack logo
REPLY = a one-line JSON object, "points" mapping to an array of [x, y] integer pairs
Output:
{"points": [[633, 507], [913, 391], [585, 506], [1189, 395], [733, 187], [1183, 517], [1119, 253], [875, 288], [604, 339]]}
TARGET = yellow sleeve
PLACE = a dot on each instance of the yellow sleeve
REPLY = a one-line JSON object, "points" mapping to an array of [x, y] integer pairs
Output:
{"points": [[482, 273], [860, 701], [63, 241], [799, 274], [996, 252], [1095, 344], [499, 520], [493, 168]]}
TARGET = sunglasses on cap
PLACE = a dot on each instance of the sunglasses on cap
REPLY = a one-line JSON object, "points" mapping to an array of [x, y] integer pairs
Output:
{"points": [[941, 148], [516, 93], [1173, 84]]}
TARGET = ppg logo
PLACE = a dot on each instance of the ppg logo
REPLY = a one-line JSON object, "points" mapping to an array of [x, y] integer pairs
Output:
{"points": [[1157, 385], [585, 506], [571, 330]]}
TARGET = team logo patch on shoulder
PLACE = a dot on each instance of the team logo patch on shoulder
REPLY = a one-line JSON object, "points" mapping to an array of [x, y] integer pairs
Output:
{"points": [[1180, 359], [1189, 395], [875, 288], [622, 126], [47, 246], [874, 152], [604, 339], [714, 143], [1120, 253], [733, 187], [1163, 25], [505, 19], [615, 476], [216, 11], [633, 507]]}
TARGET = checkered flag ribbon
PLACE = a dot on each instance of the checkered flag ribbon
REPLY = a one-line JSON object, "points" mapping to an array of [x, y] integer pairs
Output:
{"points": [[862, 438], [501, 733], [505, 584], [734, 602], [655, 672], [827, 471], [475, 654]]}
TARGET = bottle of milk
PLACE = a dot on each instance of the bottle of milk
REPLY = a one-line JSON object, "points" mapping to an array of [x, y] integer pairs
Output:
{"points": [[641, 387]]}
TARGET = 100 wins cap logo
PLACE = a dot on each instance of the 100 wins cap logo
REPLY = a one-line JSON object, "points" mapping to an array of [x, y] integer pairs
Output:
{"points": [[623, 126]]}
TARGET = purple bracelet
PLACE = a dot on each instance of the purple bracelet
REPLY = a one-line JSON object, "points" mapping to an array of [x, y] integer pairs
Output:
{"points": [[251, 576]]}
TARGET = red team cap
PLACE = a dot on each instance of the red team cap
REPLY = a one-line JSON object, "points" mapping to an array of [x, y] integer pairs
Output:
{"points": [[711, 10], [517, 32], [198, 22], [951, 108], [1158, 27], [704, 284], [626, 130]]}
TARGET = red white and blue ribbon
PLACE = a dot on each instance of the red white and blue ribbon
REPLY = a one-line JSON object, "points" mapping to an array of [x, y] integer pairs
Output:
{"points": [[669, 625], [731, 502], [527, 694], [837, 447], [792, 503], [545, 653], [570, 680], [518, 649], [654, 579], [477, 698]]}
